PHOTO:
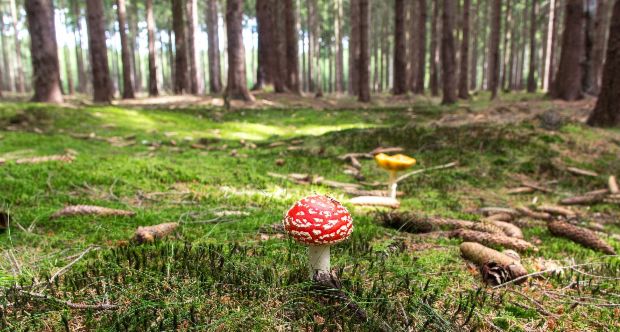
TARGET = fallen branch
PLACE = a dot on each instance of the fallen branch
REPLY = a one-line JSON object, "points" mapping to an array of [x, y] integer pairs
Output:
{"points": [[496, 268], [580, 235], [583, 172], [493, 239], [82, 210], [406, 175], [375, 201], [155, 232]]}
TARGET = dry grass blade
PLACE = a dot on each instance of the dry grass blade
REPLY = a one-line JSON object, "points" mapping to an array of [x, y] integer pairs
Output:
{"points": [[155, 232], [580, 235], [493, 240], [35, 160], [583, 172], [72, 305], [520, 190], [82, 210], [404, 176]]}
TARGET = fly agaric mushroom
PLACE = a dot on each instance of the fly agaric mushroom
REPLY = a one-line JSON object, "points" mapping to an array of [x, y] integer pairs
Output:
{"points": [[319, 222], [393, 164]]}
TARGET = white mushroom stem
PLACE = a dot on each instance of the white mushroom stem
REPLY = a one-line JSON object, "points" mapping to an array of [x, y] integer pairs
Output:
{"points": [[319, 258], [392, 184]]}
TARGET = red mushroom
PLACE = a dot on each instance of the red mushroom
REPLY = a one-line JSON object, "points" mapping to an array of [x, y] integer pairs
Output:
{"points": [[319, 222]]}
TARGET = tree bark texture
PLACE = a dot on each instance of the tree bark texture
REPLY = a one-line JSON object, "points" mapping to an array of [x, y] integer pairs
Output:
{"points": [[448, 53], [128, 92], [567, 84], [237, 85], [181, 82], [102, 83], [215, 77]]}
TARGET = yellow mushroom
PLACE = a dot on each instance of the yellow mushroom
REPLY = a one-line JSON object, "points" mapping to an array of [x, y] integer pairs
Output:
{"points": [[393, 164]]}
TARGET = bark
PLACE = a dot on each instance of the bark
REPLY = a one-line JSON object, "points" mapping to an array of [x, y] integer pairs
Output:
{"points": [[598, 48], [493, 57], [181, 82], [195, 81], [412, 45], [171, 60], [266, 69], [473, 66], [567, 83], [448, 60], [9, 82], [531, 77], [354, 47], [550, 49], [102, 84], [150, 26], [496, 267], [237, 85], [421, 47], [280, 28], [20, 83], [339, 51], [400, 61], [607, 110], [364, 61], [463, 81], [292, 47], [134, 42], [434, 80], [79, 54], [125, 52], [44, 51], [215, 77], [508, 57], [485, 59], [313, 46]]}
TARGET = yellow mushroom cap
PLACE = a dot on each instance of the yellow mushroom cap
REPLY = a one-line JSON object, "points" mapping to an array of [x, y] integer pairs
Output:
{"points": [[397, 162]]}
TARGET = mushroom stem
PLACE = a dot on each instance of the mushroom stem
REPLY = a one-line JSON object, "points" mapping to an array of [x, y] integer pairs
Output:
{"points": [[319, 258], [392, 184]]}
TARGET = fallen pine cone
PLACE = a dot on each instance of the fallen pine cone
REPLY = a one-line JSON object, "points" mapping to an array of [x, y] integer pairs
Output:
{"points": [[500, 217], [35, 160], [493, 239], [82, 210], [155, 232], [509, 229], [580, 235], [415, 223], [533, 214], [589, 198], [557, 210], [496, 268]]}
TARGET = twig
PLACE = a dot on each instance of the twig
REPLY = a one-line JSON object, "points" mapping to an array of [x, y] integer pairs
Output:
{"points": [[68, 266], [404, 176], [78, 306], [539, 306]]}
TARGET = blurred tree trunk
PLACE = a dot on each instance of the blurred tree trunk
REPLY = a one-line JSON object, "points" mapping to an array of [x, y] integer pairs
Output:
{"points": [[292, 47], [550, 50], [473, 59], [607, 110], [448, 53], [281, 63], [215, 76], [181, 82], [493, 65], [421, 47], [125, 52], [508, 56], [150, 26], [134, 42], [412, 44], [9, 82], [20, 82], [236, 88], [82, 85], [313, 47], [598, 48], [354, 47], [172, 79], [567, 84], [339, 51], [400, 48], [44, 51], [195, 81], [102, 84], [267, 54], [531, 77], [364, 58], [434, 81], [463, 81]]}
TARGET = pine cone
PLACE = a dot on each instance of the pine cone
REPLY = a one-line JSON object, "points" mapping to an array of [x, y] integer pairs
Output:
{"points": [[495, 267], [580, 235], [509, 229], [493, 239], [152, 233], [416, 223], [81, 210]]}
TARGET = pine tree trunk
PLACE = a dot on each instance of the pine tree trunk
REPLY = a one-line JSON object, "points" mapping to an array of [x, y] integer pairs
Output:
{"points": [[20, 82], [493, 65], [79, 53], [44, 51], [134, 42], [607, 110], [215, 77], [531, 77], [292, 48], [195, 81], [463, 81], [313, 48], [567, 83], [9, 82], [150, 26], [421, 47], [267, 65], [102, 83], [354, 47], [434, 81], [485, 37], [236, 87], [339, 51], [448, 60], [181, 82], [400, 61], [412, 45], [281, 84], [172, 79], [508, 55], [125, 52], [364, 61], [598, 48], [550, 42], [473, 59]]}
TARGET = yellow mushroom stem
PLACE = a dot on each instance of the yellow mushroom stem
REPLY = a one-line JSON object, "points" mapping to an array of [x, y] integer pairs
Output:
{"points": [[392, 184]]}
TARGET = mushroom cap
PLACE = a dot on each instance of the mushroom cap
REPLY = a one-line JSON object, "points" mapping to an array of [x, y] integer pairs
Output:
{"points": [[397, 162], [318, 220]]}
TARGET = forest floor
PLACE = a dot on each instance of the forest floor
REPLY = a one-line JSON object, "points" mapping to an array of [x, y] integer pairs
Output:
{"points": [[188, 160]]}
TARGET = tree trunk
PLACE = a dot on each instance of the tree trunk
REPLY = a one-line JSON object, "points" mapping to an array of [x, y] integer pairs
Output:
{"points": [[102, 84], [354, 47], [9, 82], [485, 37], [44, 51], [125, 52], [66, 55], [20, 81], [448, 61], [267, 41], [195, 81], [413, 38], [172, 79], [134, 42], [421, 47], [400, 48], [236, 87], [339, 51], [567, 83], [215, 77], [550, 50], [314, 71], [434, 81], [473, 59], [181, 82], [364, 61], [79, 53], [493, 66], [150, 26], [463, 82], [531, 77], [598, 48], [281, 63], [292, 47], [607, 110], [508, 56]]}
